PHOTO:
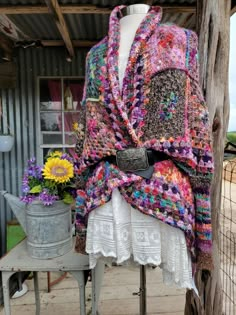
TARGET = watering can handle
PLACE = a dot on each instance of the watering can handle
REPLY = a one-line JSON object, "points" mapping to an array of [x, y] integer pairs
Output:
{"points": [[3, 192]]}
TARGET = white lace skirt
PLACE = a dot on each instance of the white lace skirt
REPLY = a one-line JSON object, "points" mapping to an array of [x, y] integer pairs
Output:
{"points": [[117, 232]]}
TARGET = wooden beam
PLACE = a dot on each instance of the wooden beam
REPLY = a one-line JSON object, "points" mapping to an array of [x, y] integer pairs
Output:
{"points": [[187, 20], [55, 10], [76, 43], [24, 9], [81, 9]]}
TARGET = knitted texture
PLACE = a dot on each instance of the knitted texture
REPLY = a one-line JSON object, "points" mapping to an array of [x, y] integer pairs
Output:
{"points": [[160, 107]]}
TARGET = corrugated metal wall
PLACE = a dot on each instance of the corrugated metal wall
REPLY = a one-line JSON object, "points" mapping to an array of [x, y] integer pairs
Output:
{"points": [[19, 108]]}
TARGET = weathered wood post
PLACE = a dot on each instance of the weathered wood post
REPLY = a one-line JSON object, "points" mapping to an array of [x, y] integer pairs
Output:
{"points": [[213, 27]]}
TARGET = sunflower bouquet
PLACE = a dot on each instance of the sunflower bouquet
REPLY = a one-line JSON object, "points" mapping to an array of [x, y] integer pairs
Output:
{"points": [[55, 180]]}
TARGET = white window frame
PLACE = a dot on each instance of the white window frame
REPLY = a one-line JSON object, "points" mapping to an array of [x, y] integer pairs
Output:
{"points": [[40, 146]]}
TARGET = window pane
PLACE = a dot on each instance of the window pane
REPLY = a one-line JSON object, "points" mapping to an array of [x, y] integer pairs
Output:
{"points": [[73, 92], [52, 138], [59, 110], [69, 119], [50, 94], [50, 121], [70, 138]]}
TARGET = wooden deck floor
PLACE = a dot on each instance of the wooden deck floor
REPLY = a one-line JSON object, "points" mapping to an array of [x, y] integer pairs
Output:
{"points": [[116, 296]]}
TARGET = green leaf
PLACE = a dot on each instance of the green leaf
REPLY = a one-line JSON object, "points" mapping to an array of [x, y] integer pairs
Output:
{"points": [[72, 185], [36, 189], [67, 198]]}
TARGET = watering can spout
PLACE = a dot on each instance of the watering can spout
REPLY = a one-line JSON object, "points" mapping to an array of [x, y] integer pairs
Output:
{"points": [[18, 207]]}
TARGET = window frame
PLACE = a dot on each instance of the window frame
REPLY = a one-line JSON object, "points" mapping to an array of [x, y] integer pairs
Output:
{"points": [[40, 147]]}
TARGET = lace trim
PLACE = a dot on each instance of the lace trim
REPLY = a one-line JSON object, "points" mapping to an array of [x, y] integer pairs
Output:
{"points": [[118, 233]]}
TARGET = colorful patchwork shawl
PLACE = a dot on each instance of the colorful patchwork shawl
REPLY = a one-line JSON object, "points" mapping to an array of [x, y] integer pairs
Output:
{"points": [[160, 106]]}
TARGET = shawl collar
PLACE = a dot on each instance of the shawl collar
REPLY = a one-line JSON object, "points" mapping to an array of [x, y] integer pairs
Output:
{"points": [[143, 32]]}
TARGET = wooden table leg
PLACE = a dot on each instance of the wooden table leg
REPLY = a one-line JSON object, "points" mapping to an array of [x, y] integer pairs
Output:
{"points": [[79, 276], [97, 277], [6, 291], [36, 292], [143, 297]]}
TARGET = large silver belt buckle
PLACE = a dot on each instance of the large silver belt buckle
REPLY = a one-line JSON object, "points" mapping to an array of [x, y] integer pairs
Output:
{"points": [[132, 159]]}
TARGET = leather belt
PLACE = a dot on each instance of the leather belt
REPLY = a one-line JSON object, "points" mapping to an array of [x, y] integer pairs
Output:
{"points": [[152, 158]]}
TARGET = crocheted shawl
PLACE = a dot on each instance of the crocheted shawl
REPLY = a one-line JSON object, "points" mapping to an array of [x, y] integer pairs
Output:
{"points": [[160, 106]]}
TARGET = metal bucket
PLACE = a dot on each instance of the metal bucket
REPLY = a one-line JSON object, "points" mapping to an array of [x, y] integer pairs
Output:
{"points": [[49, 229]]}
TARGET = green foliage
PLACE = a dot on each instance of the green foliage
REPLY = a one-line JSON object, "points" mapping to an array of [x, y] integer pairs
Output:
{"points": [[231, 136], [67, 198], [51, 182], [36, 189]]}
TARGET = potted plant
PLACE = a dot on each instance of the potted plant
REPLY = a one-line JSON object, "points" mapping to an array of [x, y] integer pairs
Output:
{"points": [[53, 181], [44, 209], [6, 138]]}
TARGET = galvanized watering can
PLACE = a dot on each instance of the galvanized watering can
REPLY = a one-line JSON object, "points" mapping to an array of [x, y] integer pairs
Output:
{"points": [[48, 228]]}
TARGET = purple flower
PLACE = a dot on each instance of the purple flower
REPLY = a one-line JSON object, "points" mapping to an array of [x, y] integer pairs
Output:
{"points": [[33, 169], [65, 156], [46, 198], [36, 187], [28, 199], [32, 161], [25, 188], [25, 179]]}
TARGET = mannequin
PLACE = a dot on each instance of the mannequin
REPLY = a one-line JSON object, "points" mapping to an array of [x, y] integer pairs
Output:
{"points": [[129, 23], [145, 157]]}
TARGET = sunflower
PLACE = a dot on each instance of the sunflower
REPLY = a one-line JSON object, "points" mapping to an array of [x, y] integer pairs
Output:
{"points": [[58, 170]]}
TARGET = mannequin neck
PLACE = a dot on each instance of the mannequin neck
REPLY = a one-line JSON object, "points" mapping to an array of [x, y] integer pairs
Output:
{"points": [[135, 9], [129, 23], [132, 16]]}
